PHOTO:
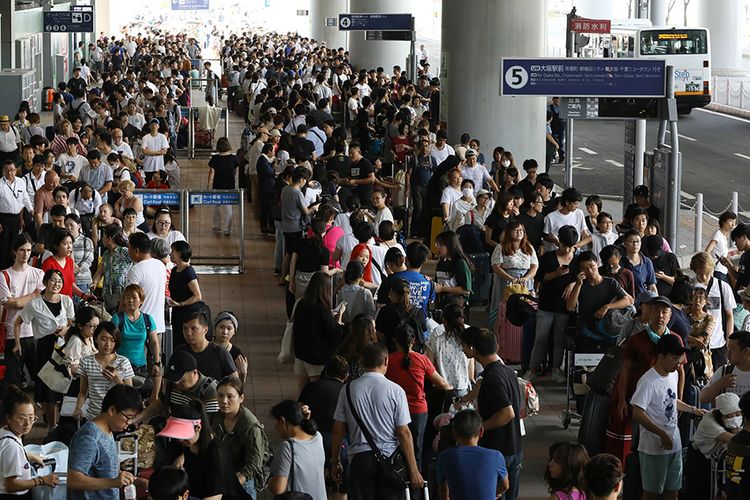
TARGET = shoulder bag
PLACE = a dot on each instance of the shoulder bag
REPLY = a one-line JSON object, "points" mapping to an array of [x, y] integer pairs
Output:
{"points": [[392, 469], [293, 495]]}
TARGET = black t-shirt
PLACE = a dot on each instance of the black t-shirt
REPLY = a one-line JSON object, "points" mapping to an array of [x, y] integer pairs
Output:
{"points": [[653, 212], [385, 288], [527, 188], [322, 396], [743, 274], [310, 256], [738, 472], [341, 164], [497, 223], [225, 167], [388, 319], [301, 149], [210, 474], [550, 292], [178, 283], [362, 170], [499, 390], [592, 298], [214, 361], [534, 228], [668, 264]]}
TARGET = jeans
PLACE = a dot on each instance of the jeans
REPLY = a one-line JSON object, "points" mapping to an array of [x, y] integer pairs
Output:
{"points": [[417, 427], [278, 249], [249, 488], [85, 288], [513, 464], [418, 194], [546, 321]]}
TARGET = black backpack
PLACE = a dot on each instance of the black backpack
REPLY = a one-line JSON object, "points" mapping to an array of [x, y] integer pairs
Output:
{"points": [[75, 113], [519, 308]]}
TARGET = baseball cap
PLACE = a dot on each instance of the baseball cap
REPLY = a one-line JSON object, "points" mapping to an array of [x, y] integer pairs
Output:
{"points": [[470, 152], [182, 421], [660, 299], [644, 297], [153, 120], [640, 190], [180, 363], [727, 403], [482, 192], [274, 133], [670, 343]]}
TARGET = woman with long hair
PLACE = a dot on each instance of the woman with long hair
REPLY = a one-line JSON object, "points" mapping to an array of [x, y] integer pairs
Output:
{"points": [[301, 448], [445, 352], [498, 220], [162, 227], [59, 143], [184, 289], [311, 256], [358, 299], [15, 462], [453, 271], [79, 340], [115, 264], [242, 434], [83, 254], [361, 333], [398, 308], [316, 329], [363, 253], [564, 474], [61, 246], [514, 262]]}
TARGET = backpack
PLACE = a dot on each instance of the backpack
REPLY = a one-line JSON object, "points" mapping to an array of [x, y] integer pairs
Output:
{"points": [[75, 113], [137, 178], [529, 398], [519, 308]]}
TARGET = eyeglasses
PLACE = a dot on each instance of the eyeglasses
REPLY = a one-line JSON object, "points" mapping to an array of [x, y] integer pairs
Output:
{"points": [[164, 222], [128, 417], [91, 325], [27, 420]]}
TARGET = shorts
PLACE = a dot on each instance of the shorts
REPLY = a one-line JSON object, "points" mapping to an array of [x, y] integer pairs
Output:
{"points": [[660, 473], [292, 241], [304, 369]]}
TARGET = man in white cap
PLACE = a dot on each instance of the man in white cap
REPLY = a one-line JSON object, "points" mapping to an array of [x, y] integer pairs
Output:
{"points": [[9, 140], [476, 172]]}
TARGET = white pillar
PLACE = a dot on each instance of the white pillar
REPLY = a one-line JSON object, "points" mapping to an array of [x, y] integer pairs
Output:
{"points": [[320, 10], [475, 38], [658, 12], [596, 9], [724, 19], [369, 54]]}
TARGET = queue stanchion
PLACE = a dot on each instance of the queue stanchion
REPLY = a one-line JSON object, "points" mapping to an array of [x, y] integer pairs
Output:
{"points": [[221, 258]]}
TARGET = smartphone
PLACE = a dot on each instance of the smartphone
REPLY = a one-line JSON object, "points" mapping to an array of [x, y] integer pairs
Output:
{"points": [[565, 266]]}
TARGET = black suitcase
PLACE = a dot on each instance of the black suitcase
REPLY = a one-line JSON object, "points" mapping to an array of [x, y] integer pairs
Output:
{"points": [[632, 488], [594, 422], [480, 279]]}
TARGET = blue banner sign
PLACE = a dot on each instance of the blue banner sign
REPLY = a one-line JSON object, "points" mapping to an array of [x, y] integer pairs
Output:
{"points": [[154, 198], [214, 199], [61, 21], [386, 22], [583, 77], [189, 4]]}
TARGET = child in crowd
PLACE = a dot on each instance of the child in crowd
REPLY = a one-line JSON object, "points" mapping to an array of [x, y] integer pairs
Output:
{"points": [[564, 475], [603, 234]]}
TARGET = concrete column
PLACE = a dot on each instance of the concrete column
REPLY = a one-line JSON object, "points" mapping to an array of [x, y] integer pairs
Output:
{"points": [[320, 10], [474, 41], [657, 12], [387, 54], [724, 19], [7, 33], [596, 9]]}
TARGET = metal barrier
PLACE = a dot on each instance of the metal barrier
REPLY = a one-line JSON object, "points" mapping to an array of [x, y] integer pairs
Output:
{"points": [[158, 197], [217, 264], [193, 115], [700, 211]]}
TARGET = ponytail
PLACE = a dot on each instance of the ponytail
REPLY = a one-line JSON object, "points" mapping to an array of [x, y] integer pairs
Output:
{"points": [[291, 411], [404, 335]]}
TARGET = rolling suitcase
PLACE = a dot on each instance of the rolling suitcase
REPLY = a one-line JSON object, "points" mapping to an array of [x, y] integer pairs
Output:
{"points": [[481, 279], [594, 422], [509, 337]]}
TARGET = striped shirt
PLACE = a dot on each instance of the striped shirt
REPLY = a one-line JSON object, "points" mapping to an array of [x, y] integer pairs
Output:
{"points": [[83, 256], [116, 264], [204, 391], [91, 370]]}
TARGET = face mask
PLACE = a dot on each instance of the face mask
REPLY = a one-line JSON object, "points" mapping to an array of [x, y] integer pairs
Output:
{"points": [[733, 422], [468, 192], [505, 163]]}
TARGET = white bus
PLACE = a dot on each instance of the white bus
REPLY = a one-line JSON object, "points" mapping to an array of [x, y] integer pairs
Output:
{"points": [[687, 49]]}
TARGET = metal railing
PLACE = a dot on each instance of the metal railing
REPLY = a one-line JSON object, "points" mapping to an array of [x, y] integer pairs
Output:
{"points": [[701, 213], [193, 115]]}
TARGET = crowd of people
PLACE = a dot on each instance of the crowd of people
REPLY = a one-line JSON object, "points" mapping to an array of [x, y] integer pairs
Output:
{"points": [[348, 171]]}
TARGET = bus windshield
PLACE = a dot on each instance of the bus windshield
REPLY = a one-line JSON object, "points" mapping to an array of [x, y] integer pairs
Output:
{"points": [[658, 43]]}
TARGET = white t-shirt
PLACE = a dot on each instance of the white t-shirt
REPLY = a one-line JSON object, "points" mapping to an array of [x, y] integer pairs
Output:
{"points": [[450, 196], [21, 283], [154, 143], [657, 396], [705, 437], [715, 295], [518, 260], [383, 214], [124, 149], [721, 249], [741, 383], [171, 237], [478, 174], [555, 220], [601, 240], [441, 155], [71, 165], [13, 461], [151, 275]]}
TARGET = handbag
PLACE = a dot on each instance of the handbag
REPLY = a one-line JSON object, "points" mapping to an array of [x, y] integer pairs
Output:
{"points": [[513, 289], [55, 374], [286, 354], [293, 495], [392, 469]]}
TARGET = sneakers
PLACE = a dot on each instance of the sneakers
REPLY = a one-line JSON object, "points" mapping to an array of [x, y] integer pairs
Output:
{"points": [[559, 376], [277, 272], [529, 376]]}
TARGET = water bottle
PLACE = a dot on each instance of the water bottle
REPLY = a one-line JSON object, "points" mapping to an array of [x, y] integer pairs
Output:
{"points": [[129, 492]]}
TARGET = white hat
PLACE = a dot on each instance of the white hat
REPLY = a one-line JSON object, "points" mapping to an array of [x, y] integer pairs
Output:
{"points": [[727, 403], [461, 152]]}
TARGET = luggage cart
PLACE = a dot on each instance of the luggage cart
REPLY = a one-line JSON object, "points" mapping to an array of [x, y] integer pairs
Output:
{"points": [[574, 360], [718, 473], [127, 450]]}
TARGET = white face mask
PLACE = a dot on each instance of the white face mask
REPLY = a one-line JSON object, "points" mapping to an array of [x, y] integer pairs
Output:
{"points": [[468, 192], [505, 163], [733, 422]]}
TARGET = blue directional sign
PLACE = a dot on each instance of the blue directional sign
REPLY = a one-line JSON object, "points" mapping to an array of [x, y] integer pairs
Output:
{"points": [[159, 198], [62, 21], [583, 77], [385, 22], [189, 4], [214, 199]]}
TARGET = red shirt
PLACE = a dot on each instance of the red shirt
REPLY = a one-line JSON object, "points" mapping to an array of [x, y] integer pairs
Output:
{"points": [[411, 380], [399, 147], [68, 273], [153, 185]]}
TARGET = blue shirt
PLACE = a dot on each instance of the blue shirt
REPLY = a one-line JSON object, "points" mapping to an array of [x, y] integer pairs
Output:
{"points": [[471, 471], [643, 273], [421, 290], [94, 454], [133, 337]]}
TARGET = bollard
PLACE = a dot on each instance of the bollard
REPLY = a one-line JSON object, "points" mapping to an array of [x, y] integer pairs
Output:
{"points": [[698, 233], [735, 202]]}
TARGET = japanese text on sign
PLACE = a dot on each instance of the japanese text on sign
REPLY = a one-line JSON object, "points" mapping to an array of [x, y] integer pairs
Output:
{"points": [[213, 199], [583, 25], [165, 198], [583, 77]]}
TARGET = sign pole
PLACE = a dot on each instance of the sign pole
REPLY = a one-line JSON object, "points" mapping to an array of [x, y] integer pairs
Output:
{"points": [[413, 52], [569, 142], [675, 170]]}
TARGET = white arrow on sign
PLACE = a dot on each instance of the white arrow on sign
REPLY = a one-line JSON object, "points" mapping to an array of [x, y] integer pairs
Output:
{"points": [[345, 22]]}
